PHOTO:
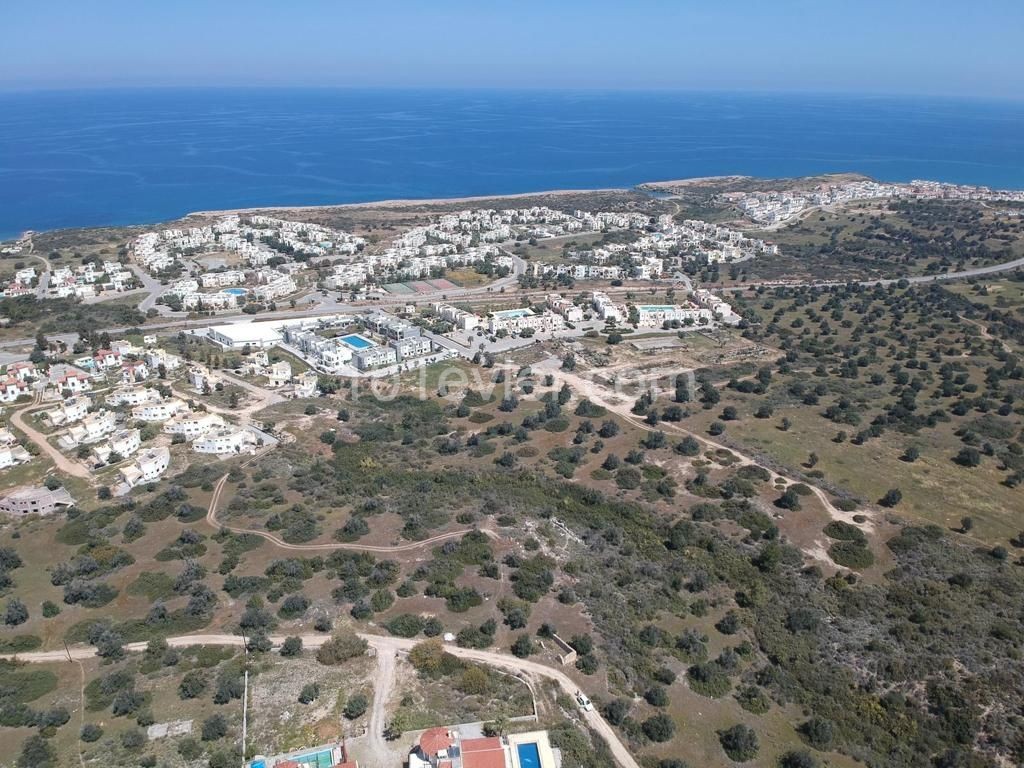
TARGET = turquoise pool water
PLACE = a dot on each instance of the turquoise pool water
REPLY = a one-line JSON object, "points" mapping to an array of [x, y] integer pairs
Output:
{"points": [[656, 307], [356, 341], [236, 291], [324, 759], [529, 756]]}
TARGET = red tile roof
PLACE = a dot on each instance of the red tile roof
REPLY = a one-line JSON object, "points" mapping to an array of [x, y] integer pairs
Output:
{"points": [[482, 753], [434, 740]]}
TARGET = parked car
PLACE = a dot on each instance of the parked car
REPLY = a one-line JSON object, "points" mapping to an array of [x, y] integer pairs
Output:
{"points": [[585, 703]]}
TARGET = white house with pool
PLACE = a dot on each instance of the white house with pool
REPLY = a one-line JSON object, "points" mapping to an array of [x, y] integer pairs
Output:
{"points": [[464, 746]]}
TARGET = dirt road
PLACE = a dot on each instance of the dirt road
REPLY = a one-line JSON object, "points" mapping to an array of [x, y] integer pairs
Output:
{"points": [[212, 521], [62, 462], [386, 648]]}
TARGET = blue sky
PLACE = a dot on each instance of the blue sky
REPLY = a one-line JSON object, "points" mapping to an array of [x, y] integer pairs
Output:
{"points": [[896, 46]]}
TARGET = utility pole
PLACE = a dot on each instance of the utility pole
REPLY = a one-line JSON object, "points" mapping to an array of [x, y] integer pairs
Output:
{"points": [[245, 696]]}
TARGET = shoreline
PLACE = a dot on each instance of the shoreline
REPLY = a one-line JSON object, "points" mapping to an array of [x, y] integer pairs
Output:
{"points": [[412, 202]]}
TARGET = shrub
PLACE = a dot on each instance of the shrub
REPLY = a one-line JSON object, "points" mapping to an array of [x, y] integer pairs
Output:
{"points": [[851, 554], [659, 728], [214, 727], [291, 647], [355, 706], [405, 625], [340, 648], [90, 732], [739, 742]]}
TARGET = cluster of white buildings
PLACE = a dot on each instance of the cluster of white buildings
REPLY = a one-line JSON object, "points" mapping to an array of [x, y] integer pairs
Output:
{"points": [[605, 308], [521, 319], [266, 285], [22, 284], [777, 206], [401, 342], [460, 318], [87, 280], [11, 453], [256, 239]]}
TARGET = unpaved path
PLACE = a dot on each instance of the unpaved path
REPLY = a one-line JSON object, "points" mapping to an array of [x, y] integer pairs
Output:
{"points": [[385, 647], [62, 462], [277, 541]]}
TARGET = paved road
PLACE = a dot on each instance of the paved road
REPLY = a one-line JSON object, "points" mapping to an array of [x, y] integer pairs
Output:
{"points": [[382, 646], [332, 306]]}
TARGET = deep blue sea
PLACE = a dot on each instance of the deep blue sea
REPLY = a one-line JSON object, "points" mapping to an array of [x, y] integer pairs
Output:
{"points": [[70, 159]]}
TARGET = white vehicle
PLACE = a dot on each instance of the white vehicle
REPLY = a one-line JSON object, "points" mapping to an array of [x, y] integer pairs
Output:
{"points": [[585, 704]]}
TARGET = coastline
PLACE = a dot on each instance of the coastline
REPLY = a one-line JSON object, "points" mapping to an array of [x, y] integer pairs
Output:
{"points": [[412, 202]]}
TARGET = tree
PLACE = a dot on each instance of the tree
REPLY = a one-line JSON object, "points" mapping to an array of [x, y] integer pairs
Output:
{"points": [[356, 706], [523, 646], [659, 728], [214, 727], [788, 500], [37, 752], [818, 732], [192, 685], [966, 524], [891, 498], [291, 647], [616, 711], [968, 457], [911, 455], [16, 613], [90, 732], [340, 648], [739, 742], [310, 692], [798, 759]]}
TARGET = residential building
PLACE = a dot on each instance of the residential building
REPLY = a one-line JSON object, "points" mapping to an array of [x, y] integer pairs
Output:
{"points": [[12, 455], [279, 374], [460, 318], [565, 307], [124, 442], [35, 500], [12, 388], [225, 441], [449, 748], [158, 411], [92, 428], [68, 412], [306, 384], [147, 467], [375, 357], [518, 320], [192, 425], [414, 346], [605, 308], [132, 396], [107, 358]]}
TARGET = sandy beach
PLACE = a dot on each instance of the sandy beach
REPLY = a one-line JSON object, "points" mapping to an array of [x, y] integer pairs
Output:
{"points": [[413, 202]]}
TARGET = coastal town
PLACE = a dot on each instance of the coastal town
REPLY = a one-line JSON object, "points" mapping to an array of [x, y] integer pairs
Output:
{"points": [[776, 207], [391, 462]]}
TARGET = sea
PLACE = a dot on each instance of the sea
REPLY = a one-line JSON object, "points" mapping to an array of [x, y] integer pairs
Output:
{"points": [[116, 157]]}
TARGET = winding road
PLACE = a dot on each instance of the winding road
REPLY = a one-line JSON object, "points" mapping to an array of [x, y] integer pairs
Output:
{"points": [[62, 462], [211, 520], [385, 647]]}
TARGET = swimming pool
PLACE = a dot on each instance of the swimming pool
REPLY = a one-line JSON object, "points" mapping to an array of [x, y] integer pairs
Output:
{"points": [[356, 341], [323, 759], [655, 307], [529, 755], [236, 291]]}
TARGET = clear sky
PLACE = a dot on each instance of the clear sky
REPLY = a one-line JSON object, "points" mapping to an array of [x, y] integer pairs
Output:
{"points": [[945, 47]]}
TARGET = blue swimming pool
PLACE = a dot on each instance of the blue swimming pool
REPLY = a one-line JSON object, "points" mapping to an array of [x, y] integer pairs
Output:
{"points": [[356, 341], [236, 291], [529, 755]]}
